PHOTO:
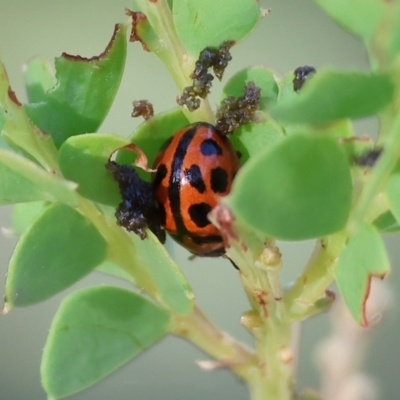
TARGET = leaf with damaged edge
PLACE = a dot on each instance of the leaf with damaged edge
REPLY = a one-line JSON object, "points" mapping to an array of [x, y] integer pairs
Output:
{"points": [[363, 258], [18, 133], [84, 92], [39, 78], [94, 332]]}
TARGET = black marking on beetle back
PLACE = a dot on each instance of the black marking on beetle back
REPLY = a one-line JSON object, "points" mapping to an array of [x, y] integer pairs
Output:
{"points": [[219, 180], [174, 186], [160, 175], [206, 239], [194, 177], [198, 213], [210, 147]]}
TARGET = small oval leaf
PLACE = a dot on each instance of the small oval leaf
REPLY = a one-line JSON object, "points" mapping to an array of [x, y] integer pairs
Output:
{"points": [[59, 248], [333, 95], [299, 188], [94, 332]]}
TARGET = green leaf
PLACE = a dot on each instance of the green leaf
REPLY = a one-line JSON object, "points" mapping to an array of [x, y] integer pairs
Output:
{"points": [[393, 192], [94, 332], [112, 269], [84, 92], [391, 31], [39, 78], [18, 133], [59, 248], [364, 257], [386, 223], [173, 289], [341, 128], [83, 159], [23, 215], [261, 76], [252, 138], [151, 134], [332, 95], [361, 17], [210, 22], [299, 188], [22, 180]]}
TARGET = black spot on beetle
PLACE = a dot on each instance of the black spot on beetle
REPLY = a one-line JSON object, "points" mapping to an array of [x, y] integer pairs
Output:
{"points": [[162, 213], [194, 177], [210, 147], [219, 180], [198, 213]]}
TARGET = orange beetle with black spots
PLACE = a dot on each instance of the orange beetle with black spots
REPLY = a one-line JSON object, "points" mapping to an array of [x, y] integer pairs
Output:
{"points": [[194, 168]]}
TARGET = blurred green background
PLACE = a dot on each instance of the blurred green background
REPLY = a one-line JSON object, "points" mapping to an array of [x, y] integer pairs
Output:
{"points": [[295, 33]]}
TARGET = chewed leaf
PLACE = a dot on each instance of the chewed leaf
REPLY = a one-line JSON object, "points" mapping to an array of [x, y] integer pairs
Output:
{"points": [[39, 78], [210, 22], [94, 332], [363, 258], [83, 160], [332, 95], [18, 134], [298, 188], [84, 91], [60, 247]]}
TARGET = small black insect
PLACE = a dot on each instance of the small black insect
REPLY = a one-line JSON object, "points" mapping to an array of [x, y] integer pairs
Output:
{"points": [[301, 74], [369, 158]]}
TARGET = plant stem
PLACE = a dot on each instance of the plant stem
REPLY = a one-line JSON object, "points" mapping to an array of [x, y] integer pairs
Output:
{"points": [[121, 248], [173, 54], [317, 276], [230, 353]]}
